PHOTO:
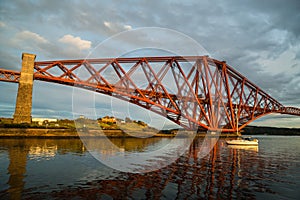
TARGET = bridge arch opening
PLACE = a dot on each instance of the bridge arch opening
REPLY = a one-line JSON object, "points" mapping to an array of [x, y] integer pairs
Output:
{"points": [[277, 120]]}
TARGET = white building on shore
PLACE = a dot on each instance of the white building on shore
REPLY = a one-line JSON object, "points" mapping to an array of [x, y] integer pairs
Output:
{"points": [[40, 121]]}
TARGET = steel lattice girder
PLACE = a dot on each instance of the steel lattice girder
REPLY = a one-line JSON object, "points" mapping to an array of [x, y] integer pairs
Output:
{"points": [[192, 91], [9, 76]]}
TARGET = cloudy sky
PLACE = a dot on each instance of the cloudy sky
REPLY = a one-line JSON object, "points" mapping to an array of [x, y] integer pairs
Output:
{"points": [[259, 38]]}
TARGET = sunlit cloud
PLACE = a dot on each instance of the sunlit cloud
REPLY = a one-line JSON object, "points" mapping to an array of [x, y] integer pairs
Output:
{"points": [[76, 42], [117, 27], [30, 36]]}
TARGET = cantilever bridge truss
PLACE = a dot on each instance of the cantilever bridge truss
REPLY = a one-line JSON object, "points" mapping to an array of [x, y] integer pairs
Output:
{"points": [[192, 91]]}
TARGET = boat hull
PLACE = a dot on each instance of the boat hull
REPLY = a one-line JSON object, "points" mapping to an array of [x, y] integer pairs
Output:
{"points": [[244, 147], [242, 142]]}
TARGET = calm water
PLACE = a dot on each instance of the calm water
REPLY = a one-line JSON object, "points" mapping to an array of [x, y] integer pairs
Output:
{"points": [[64, 169]]}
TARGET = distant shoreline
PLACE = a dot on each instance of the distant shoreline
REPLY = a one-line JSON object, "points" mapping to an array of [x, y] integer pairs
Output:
{"points": [[261, 130], [108, 127], [72, 133]]}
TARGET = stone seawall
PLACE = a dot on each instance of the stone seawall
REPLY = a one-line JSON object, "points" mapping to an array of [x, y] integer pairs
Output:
{"points": [[68, 133], [32, 132], [72, 133]]}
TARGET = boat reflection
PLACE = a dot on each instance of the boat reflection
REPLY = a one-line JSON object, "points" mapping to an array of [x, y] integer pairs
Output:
{"points": [[243, 147]]}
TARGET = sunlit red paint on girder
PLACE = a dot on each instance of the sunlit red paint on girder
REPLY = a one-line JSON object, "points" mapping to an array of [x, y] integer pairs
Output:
{"points": [[207, 93]]}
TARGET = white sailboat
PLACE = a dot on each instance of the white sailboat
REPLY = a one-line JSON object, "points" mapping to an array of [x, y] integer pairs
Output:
{"points": [[243, 141], [248, 141]]}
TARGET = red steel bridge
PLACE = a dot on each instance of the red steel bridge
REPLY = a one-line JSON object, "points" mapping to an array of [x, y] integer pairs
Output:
{"points": [[192, 91]]}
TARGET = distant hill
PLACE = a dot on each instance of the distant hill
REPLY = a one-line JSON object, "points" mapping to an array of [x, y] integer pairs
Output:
{"points": [[261, 130]]}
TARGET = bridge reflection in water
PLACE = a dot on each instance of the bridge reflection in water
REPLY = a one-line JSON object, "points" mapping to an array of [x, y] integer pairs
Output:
{"points": [[225, 173]]}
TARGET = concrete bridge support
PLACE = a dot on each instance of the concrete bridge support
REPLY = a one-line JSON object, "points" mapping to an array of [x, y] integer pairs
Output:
{"points": [[24, 96]]}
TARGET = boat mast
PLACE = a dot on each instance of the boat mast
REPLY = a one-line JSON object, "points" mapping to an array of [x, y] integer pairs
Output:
{"points": [[237, 119]]}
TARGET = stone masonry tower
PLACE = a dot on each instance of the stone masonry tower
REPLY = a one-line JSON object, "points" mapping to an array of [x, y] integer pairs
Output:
{"points": [[24, 96]]}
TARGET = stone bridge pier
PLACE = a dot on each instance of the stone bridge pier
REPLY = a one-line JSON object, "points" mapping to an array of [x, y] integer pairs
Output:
{"points": [[24, 96]]}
